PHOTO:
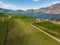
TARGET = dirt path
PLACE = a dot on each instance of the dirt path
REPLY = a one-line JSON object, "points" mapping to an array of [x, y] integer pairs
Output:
{"points": [[46, 33]]}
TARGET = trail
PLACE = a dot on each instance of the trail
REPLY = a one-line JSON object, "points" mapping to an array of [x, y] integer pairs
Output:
{"points": [[24, 34], [46, 33]]}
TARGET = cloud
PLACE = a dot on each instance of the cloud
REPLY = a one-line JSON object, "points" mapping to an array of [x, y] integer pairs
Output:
{"points": [[7, 6], [35, 0], [55, 2]]}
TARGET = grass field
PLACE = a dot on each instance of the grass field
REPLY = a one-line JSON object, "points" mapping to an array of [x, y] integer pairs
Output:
{"points": [[18, 31], [49, 27], [3, 27], [3, 31], [22, 33]]}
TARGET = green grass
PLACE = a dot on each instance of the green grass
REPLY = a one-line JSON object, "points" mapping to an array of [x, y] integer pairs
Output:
{"points": [[51, 28], [3, 27], [3, 31], [28, 19], [24, 34], [18, 31]]}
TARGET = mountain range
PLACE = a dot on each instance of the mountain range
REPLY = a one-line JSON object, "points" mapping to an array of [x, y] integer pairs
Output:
{"points": [[53, 9], [11, 11]]}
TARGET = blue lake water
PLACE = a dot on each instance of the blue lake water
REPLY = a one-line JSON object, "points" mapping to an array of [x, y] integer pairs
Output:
{"points": [[41, 15]]}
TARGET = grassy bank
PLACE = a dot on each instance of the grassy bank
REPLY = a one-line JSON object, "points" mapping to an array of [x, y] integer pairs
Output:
{"points": [[3, 31], [23, 33], [4, 24], [49, 27], [16, 30]]}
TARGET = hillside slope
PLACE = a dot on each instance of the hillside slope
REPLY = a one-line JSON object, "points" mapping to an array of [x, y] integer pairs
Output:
{"points": [[53, 9], [24, 34]]}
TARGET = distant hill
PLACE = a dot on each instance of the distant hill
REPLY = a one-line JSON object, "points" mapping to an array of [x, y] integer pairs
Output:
{"points": [[54, 9], [5, 10], [30, 10], [19, 11], [11, 11]]}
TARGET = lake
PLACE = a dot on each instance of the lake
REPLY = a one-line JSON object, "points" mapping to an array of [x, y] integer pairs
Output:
{"points": [[41, 15]]}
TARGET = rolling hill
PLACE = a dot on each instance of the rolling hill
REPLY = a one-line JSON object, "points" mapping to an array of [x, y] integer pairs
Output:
{"points": [[11, 11], [53, 9]]}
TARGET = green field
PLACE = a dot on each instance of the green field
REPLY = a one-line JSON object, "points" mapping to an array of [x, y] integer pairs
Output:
{"points": [[49, 27], [18, 31], [3, 27], [24, 34], [3, 30]]}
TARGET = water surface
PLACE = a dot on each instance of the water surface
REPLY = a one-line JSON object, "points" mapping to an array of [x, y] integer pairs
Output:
{"points": [[41, 15]]}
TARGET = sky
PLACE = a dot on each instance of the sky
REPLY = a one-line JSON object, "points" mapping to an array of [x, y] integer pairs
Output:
{"points": [[26, 4]]}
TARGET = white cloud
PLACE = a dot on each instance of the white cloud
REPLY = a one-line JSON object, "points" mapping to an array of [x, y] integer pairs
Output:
{"points": [[35, 0], [7, 6], [55, 2]]}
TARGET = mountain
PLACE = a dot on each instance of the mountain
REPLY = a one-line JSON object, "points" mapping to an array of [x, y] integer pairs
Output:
{"points": [[30, 10], [54, 9], [11, 11], [19, 11], [6, 10]]}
